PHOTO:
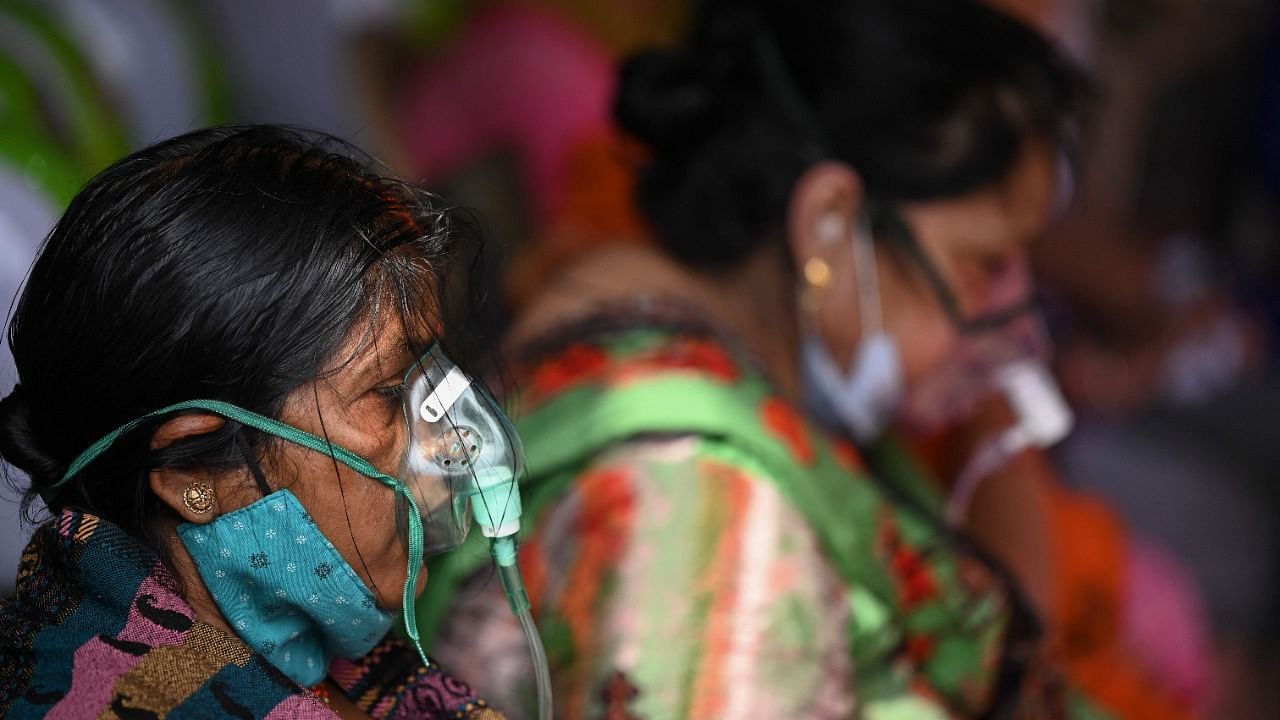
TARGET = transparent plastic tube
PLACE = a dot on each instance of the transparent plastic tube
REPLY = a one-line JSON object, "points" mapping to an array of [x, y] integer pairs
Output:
{"points": [[1043, 419], [990, 458], [541, 673], [503, 550]]}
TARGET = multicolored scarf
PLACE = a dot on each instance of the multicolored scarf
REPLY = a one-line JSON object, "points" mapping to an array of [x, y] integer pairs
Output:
{"points": [[99, 627]]}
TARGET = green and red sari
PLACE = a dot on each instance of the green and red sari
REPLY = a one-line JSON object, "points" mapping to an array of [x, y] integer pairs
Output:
{"points": [[695, 548]]}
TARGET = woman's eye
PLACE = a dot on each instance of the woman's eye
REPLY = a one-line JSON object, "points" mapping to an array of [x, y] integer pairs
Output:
{"points": [[391, 392]]}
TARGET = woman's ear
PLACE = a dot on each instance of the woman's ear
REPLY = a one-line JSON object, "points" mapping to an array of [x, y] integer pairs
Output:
{"points": [[191, 493], [823, 209]]}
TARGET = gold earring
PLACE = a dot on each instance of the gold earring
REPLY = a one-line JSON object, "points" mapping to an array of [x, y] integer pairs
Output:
{"points": [[198, 498], [817, 273]]}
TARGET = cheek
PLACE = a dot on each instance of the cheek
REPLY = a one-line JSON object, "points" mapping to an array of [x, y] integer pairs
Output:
{"points": [[375, 430], [382, 555], [921, 327], [368, 538]]}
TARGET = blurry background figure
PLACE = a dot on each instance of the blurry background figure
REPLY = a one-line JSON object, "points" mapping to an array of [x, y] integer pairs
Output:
{"points": [[1173, 294], [722, 205]]}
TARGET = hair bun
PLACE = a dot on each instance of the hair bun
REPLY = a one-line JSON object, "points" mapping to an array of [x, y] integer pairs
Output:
{"points": [[19, 445], [664, 99]]}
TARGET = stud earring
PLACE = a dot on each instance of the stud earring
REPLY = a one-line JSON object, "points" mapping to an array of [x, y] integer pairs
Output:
{"points": [[817, 273], [198, 498]]}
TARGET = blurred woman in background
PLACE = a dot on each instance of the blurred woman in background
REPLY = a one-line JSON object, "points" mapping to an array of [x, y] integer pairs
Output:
{"points": [[858, 180]]}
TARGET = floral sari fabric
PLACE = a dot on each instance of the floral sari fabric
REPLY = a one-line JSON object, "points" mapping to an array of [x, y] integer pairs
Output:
{"points": [[697, 549]]}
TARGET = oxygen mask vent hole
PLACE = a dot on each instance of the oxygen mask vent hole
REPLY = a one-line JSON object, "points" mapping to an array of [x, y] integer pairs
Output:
{"points": [[458, 447]]}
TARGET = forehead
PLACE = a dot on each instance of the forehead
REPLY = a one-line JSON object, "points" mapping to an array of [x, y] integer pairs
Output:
{"points": [[1015, 210], [383, 340], [1030, 194]]}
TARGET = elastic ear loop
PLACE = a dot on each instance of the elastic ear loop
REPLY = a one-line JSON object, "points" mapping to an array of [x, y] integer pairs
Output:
{"points": [[868, 274], [307, 440]]}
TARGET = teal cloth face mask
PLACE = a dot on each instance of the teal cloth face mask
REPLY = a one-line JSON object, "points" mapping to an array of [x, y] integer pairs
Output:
{"points": [[460, 463], [283, 587]]}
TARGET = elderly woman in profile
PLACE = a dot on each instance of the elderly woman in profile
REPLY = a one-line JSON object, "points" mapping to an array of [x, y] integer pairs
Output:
{"points": [[212, 350]]}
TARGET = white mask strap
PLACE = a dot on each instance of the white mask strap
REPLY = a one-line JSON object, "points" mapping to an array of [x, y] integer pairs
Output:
{"points": [[868, 276]]}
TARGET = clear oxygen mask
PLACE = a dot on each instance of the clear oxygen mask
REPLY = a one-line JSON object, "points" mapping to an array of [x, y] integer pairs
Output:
{"points": [[462, 458]]}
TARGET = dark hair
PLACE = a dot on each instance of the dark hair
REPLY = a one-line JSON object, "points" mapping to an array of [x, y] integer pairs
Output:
{"points": [[925, 99], [229, 264]]}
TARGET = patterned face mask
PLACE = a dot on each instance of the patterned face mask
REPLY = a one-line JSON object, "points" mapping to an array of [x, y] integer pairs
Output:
{"points": [[283, 587]]}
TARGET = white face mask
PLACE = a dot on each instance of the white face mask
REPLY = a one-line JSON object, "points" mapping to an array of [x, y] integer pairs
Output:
{"points": [[864, 400]]}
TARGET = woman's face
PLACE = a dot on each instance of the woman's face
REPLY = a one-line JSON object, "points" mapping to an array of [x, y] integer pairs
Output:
{"points": [[979, 244], [357, 405]]}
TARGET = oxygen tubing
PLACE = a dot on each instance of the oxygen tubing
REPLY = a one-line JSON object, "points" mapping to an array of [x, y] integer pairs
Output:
{"points": [[503, 550]]}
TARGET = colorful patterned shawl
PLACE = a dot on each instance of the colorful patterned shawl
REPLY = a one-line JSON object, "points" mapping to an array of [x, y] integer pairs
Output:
{"points": [[98, 629]]}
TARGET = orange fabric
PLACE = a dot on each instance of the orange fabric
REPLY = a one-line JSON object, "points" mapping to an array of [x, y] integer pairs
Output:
{"points": [[598, 209], [1091, 545], [599, 185]]}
